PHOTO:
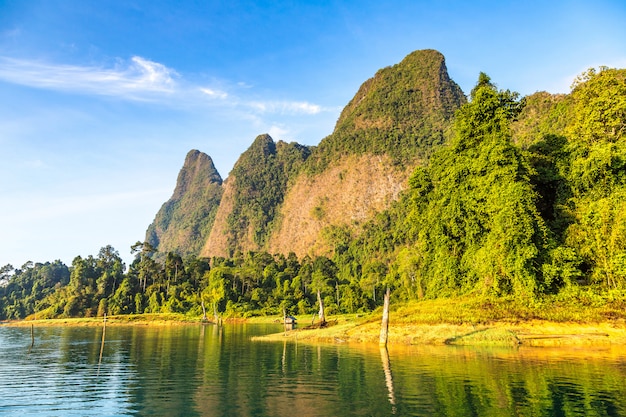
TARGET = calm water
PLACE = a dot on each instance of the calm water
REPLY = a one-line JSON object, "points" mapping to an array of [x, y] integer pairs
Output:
{"points": [[210, 371]]}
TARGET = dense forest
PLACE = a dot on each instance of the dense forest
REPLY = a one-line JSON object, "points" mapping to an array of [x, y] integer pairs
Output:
{"points": [[526, 198]]}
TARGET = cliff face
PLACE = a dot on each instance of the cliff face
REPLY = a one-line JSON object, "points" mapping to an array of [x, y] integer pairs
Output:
{"points": [[185, 220], [390, 126], [282, 197], [253, 194], [345, 195]]}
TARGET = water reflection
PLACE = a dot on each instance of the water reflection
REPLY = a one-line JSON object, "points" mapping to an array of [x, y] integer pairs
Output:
{"points": [[384, 356], [216, 371]]}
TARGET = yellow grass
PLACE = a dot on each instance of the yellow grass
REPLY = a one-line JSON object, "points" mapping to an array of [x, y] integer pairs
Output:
{"points": [[467, 321]]}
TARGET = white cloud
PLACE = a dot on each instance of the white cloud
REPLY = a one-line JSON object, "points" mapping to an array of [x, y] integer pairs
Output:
{"points": [[34, 164], [278, 132], [285, 107], [214, 93], [138, 79]]}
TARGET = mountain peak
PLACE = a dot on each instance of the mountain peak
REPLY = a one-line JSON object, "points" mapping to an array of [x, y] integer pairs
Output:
{"points": [[403, 111], [190, 212], [198, 168]]}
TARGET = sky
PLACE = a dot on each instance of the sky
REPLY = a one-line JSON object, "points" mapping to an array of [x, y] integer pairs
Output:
{"points": [[100, 101]]}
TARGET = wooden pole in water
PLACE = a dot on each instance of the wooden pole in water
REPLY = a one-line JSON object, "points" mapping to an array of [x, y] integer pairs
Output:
{"points": [[32, 337], [384, 327], [104, 331]]}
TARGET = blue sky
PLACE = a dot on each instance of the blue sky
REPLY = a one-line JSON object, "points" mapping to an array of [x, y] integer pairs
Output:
{"points": [[101, 100]]}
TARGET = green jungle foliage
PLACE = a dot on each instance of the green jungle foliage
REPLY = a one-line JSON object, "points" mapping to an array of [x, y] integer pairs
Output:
{"points": [[486, 218], [251, 283], [22, 289], [260, 177], [404, 111]]}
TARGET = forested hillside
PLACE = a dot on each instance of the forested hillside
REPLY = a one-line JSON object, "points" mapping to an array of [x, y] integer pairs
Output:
{"points": [[393, 123], [525, 200], [184, 222], [253, 193], [404, 111]]}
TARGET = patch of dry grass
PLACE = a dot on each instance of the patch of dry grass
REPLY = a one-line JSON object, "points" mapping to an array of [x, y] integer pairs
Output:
{"points": [[475, 321]]}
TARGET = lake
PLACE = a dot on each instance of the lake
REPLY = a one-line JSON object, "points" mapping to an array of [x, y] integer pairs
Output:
{"points": [[217, 371]]}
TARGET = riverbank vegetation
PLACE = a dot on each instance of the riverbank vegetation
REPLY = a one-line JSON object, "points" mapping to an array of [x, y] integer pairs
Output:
{"points": [[519, 231]]}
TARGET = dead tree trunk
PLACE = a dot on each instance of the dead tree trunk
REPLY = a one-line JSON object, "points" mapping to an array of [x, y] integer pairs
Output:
{"points": [[384, 327], [321, 313], [204, 317]]}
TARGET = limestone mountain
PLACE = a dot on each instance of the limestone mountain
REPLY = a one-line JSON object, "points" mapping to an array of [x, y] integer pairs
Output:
{"points": [[285, 198], [183, 223]]}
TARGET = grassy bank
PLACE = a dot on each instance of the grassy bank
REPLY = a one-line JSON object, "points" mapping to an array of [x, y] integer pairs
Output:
{"points": [[550, 321]]}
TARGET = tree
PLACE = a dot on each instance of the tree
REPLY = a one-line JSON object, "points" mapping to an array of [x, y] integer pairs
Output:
{"points": [[121, 302], [597, 176], [474, 216], [146, 266], [5, 274], [324, 270], [173, 266], [215, 289], [111, 269]]}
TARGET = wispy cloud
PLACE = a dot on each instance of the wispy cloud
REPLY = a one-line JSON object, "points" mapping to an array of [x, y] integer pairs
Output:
{"points": [[214, 93], [140, 79], [285, 107], [278, 132], [137, 79]]}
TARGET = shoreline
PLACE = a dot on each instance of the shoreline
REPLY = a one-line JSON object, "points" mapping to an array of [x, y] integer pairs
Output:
{"points": [[365, 329], [120, 320], [146, 319]]}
